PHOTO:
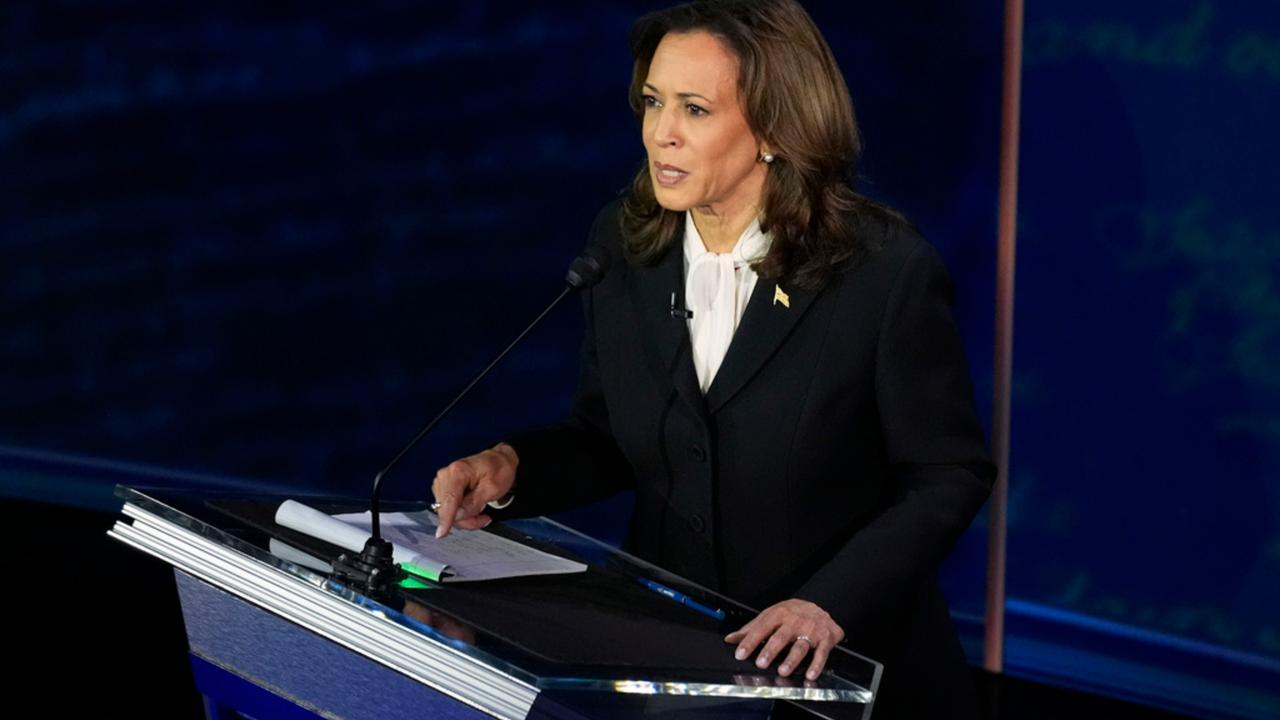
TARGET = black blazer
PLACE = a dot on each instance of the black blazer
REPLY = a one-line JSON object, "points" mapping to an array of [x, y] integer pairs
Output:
{"points": [[836, 456]]}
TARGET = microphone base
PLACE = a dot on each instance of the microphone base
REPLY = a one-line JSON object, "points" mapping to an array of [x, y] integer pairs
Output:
{"points": [[372, 572]]}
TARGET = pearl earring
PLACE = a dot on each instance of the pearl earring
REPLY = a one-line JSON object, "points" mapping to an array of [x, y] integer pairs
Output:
{"points": [[767, 157]]}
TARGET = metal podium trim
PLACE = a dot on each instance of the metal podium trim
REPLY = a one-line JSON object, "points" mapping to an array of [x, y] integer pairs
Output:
{"points": [[364, 630]]}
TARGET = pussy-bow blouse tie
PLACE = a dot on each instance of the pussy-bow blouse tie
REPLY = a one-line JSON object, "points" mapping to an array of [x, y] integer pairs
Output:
{"points": [[716, 290]]}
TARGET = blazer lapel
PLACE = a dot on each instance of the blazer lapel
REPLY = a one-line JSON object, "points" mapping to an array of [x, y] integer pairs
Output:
{"points": [[765, 324], [667, 337]]}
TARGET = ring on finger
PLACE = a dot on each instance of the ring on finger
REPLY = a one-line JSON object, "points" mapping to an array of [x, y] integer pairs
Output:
{"points": [[804, 638]]}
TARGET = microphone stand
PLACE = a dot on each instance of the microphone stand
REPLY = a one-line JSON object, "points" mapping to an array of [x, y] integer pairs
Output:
{"points": [[373, 572]]}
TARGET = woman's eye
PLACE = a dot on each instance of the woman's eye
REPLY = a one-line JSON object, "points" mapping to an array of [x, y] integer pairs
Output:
{"points": [[696, 110], [651, 101]]}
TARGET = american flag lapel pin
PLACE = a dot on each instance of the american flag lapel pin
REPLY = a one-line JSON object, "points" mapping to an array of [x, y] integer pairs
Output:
{"points": [[780, 297]]}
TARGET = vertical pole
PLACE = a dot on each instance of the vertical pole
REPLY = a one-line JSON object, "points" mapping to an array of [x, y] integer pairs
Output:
{"points": [[993, 641]]}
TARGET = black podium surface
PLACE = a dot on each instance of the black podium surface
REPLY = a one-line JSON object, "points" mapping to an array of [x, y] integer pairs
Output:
{"points": [[259, 605]]}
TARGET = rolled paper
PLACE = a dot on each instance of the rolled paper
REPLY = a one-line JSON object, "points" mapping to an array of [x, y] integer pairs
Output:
{"points": [[309, 521]]}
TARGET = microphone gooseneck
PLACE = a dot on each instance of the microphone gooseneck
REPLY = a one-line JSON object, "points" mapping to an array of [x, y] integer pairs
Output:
{"points": [[374, 571]]}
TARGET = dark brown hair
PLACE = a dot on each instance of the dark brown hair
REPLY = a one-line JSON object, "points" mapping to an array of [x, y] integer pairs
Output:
{"points": [[796, 101]]}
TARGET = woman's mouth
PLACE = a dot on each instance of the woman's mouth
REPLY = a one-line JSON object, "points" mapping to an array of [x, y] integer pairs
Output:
{"points": [[668, 175]]}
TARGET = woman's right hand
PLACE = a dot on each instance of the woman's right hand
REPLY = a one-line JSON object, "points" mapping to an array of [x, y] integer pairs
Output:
{"points": [[464, 487]]}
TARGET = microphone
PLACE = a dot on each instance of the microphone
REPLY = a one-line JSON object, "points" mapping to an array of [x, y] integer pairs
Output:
{"points": [[587, 269], [373, 571], [679, 313]]}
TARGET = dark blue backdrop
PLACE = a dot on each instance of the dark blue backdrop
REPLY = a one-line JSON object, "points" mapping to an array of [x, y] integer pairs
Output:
{"points": [[1146, 424], [266, 243]]}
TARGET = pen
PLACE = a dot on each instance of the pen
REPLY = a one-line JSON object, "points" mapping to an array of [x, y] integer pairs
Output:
{"points": [[682, 599]]}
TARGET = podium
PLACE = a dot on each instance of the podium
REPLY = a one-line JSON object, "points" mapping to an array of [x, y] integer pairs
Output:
{"points": [[272, 635]]}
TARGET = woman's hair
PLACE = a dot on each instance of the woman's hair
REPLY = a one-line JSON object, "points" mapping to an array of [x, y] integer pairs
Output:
{"points": [[796, 101]]}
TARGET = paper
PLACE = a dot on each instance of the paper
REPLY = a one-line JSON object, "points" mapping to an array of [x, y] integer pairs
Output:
{"points": [[465, 555]]}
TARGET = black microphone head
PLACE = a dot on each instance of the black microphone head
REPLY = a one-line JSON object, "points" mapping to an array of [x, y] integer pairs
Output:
{"points": [[588, 268]]}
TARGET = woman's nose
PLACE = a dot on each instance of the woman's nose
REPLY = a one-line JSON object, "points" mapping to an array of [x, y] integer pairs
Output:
{"points": [[666, 130]]}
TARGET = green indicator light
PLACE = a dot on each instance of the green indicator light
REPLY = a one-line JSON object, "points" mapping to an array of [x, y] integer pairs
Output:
{"points": [[420, 571], [413, 583]]}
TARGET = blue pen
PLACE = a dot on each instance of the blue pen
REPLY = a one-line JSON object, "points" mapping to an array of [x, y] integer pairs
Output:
{"points": [[682, 599]]}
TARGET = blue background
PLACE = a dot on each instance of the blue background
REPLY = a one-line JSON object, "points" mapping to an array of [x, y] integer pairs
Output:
{"points": [[267, 243], [1145, 490]]}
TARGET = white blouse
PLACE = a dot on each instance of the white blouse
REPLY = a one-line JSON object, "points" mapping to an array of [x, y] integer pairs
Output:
{"points": [[717, 288]]}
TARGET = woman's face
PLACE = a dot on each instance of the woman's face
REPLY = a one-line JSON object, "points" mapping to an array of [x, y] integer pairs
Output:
{"points": [[702, 153]]}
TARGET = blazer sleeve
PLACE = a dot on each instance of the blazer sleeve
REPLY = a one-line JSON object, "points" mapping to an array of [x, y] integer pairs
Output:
{"points": [[939, 467], [576, 461]]}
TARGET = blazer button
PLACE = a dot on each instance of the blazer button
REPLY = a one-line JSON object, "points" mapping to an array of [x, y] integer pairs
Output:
{"points": [[698, 524], [697, 453]]}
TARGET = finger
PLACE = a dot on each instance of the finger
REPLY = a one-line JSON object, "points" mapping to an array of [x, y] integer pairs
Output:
{"points": [[772, 649], [799, 648], [756, 631], [446, 514], [448, 489], [473, 523], [819, 661]]}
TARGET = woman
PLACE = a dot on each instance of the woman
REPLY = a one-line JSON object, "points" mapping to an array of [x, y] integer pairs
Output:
{"points": [[806, 440]]}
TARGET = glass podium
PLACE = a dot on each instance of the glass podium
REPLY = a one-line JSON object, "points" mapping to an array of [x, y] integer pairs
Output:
{"points": [[259, 604]]}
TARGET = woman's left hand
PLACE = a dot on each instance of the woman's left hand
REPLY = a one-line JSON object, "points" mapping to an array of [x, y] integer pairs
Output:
{"points": [[799, 624]]}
